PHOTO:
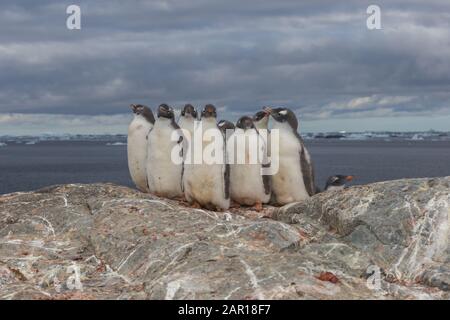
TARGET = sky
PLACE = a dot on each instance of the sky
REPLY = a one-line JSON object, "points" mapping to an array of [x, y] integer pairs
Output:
{"points": [[316, 57]]}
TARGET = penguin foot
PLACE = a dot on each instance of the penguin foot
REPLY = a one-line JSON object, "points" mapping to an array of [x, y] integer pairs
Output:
{"points": [[234, 204], [143, 190], [196, 205], [258, 206]]}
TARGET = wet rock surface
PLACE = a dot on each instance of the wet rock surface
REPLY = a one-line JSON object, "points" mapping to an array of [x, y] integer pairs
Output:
{"points": [[387, 240]]}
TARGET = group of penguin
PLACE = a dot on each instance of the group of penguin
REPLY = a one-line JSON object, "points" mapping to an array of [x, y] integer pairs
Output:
{"points": [[216, 186]]}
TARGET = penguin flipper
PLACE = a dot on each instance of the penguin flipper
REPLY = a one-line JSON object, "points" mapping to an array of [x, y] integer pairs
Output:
{"points": [[267, 181], [226, 171], [146, 137], [307, 171], [227, 181], [181, 141], [182, 177]]}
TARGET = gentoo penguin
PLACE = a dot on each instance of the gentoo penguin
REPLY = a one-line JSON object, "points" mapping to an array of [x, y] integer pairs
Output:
{"points": [[225, 125], [188, 118], [261, 119], [337, 182], [164, 171], [294, 180], [138, 130], [187, 122], [246, 149], [206, 183]]}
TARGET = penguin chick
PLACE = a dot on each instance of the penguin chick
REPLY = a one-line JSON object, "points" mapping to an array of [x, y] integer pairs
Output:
{"points": [[164, 173], [261, 119], [225, 125], [137, 144], [207, 183], [187, 123], [245, 147], [188, 118], [294, 180]]}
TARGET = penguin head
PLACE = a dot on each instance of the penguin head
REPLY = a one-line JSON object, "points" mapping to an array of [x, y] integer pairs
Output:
{"points": [[144, 111], [245, 123], [225, 125], [262, 117], [189, 111], [165, 111], [285, 115], [209, 111], [337, 182]]}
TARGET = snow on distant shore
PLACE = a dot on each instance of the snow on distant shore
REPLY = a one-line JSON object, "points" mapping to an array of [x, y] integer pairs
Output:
{"points": [[121, 139], [116, 144]]}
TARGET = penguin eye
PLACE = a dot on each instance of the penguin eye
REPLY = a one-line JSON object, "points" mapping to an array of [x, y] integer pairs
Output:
{"points": [[284, 112]]}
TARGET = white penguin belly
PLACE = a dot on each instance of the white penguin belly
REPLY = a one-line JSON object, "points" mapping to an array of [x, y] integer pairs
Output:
{"points": [[187, 125], [246, 181], [246, 185], [137, 152], [164, 176], [205, 183], [287, 183]]}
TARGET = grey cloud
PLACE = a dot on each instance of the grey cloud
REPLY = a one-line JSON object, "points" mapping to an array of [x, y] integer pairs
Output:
{"points": [[315, 57]]}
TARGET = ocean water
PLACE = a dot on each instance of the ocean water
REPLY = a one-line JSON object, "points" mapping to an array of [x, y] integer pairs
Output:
{"points": [[31, 164]]}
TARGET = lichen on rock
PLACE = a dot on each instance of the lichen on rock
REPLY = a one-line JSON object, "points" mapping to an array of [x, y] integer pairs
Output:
{"points": [[386, 240]]}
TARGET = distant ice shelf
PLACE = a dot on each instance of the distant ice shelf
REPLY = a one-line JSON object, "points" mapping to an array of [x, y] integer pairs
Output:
{"points": [[121, 139], [380, 136], [116, 144]]}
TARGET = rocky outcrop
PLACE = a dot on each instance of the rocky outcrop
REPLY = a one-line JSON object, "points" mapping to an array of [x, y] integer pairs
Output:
{"points": [[386, 240]]}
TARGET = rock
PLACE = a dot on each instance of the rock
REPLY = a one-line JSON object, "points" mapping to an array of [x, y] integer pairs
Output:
{"points": [[101, 241], [402, 225]]}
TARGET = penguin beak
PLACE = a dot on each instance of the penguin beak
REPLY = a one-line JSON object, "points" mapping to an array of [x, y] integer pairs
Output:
{"points": [[349, 178], [133, 107], [267, 110]]}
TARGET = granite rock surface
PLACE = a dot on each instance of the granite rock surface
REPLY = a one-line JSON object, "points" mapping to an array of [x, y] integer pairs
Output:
{"points": [[387, 240]]}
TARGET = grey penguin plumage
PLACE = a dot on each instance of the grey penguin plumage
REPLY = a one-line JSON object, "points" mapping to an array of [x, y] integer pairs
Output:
{"points": [[165, 144], [294, 180], [138, 130]]}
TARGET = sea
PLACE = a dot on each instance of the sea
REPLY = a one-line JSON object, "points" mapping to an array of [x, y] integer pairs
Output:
{"points": [[31, 162]]}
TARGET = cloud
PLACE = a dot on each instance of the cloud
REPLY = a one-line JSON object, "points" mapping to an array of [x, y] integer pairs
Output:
{"points": [[16, 124], [316, 57], [378, 106]]}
